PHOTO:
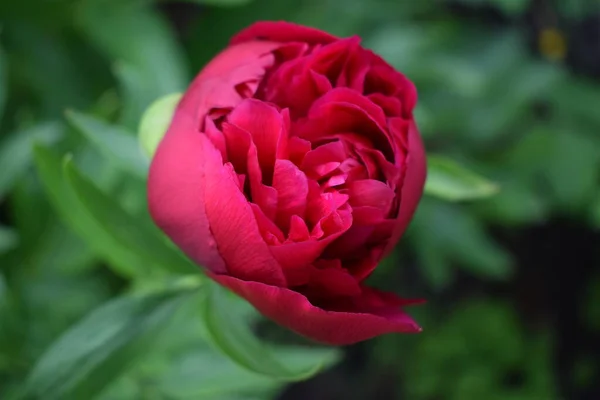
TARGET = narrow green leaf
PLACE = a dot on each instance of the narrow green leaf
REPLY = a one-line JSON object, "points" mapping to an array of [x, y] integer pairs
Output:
{"points": [[137, 234], [94, 352], [117, 144], [156, 121], [228, 330], [449, 181], [124, 260], [16, 155]]}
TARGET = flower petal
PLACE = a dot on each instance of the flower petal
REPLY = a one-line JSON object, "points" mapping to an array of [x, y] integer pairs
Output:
{"points": [[215, 86], [292, 190], [363, 318], [412, 187], [281, 31], [369, 192], [196, 201], [267, 128], [177, 188]]}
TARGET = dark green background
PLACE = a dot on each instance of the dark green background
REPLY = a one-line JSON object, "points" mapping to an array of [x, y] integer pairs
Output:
{"points": [[507, 88]]}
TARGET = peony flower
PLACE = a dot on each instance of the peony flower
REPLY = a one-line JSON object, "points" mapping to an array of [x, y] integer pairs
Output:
{"points": [[291, 167]]}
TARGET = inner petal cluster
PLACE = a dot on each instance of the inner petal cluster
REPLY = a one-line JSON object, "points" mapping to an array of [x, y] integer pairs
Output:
{"points": [[318, 147]]}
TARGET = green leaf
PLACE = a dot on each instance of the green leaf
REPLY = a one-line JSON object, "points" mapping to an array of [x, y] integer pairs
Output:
{"points": [[16, 155], [596, 212], [228, 330], [135, 93], [123, 259], [8, 239], [51, 64], [117, 144], [3, 82], [449, 181], [94, 352], [136, 35], [11, 327], [219, 3], [455, 238], [512, 7], [518, 203], [156, 121], [138, 235], [203, 373], [572, 151]]}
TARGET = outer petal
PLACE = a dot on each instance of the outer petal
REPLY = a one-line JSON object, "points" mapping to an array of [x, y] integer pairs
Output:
{"points": [[412, 187], [176, 188], [281, 31], [197, 202], [215, 86], [294, 311]]}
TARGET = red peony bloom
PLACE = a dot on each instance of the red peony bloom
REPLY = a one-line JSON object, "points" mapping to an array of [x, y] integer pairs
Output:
{"points": [[291, 167]]}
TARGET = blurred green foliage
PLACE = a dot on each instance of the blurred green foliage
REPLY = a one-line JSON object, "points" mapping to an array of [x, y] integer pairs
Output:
{"points": [[83, 269]]}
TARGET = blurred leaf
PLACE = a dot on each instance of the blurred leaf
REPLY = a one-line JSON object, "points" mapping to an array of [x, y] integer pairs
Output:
{"points": [[572, 169], [136, 94], [46, 316], [213, 30], [16, 151], [230, 333], [99, 348], [52, 65], [203, 373], [107, 106], [156, 121], [561, 163], [596, 212], [516, 204], [577, 9], [124, 260], [455, 238], [30, 212], [182, 365], [218, 3], [449, 181], [138, 235], [3, 82], [512, 7], [118, 145], [11, 332], [435, 265], [484, 343], [59, 250], [8, 239], [499, 110], [576, 98], [133, 33]]}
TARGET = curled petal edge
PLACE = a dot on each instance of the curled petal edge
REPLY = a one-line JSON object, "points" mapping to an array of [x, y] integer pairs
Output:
{"points": [[293, 311], [282, 31]]}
